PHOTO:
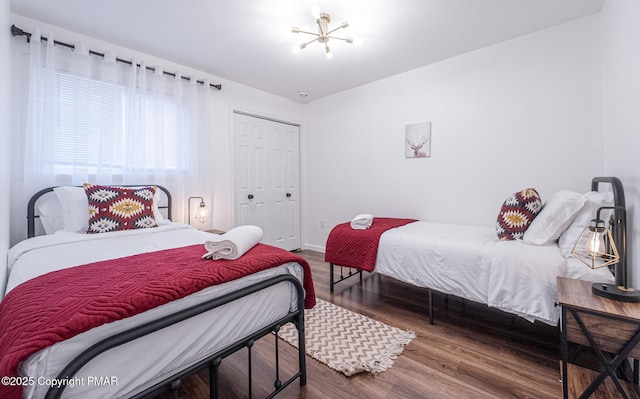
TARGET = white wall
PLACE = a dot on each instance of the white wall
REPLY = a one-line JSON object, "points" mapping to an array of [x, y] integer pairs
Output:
{"points": [[232, 97], [621, 99], [5, 139], [527, 112], [522, 113]]}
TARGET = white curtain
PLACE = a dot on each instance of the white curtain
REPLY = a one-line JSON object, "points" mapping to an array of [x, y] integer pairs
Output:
{"points": [[93, 119]]}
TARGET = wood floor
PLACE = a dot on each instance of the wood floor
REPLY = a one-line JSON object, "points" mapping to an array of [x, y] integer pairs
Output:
{"points": [[470, 352]]}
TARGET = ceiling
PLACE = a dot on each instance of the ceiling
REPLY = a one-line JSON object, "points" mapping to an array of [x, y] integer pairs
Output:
{"points": [[250, 41]]}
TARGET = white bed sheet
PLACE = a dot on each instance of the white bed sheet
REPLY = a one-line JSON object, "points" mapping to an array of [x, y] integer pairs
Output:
{"points": [[144, 362], [470, 262]]}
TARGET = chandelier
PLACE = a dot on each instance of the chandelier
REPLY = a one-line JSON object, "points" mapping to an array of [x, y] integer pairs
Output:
{"points": [[323, 35]]}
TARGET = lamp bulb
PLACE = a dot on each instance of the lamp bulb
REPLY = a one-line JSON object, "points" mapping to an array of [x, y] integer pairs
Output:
{"points": [[202, 214], [595, 244]]}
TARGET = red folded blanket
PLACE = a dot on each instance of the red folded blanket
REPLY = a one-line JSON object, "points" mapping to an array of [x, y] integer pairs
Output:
{"points": [[59, 305], [358, 248]]}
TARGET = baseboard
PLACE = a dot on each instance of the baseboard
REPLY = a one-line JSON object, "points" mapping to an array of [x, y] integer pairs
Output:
{"points": [[315, 248]]}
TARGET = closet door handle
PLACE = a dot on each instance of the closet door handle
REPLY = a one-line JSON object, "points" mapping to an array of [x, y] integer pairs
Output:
{"points": [[288, 195], [250, 196]]}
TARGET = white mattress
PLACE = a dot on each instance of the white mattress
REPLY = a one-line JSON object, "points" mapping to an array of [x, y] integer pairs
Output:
{"points": [[470, 262], [140, 364]]}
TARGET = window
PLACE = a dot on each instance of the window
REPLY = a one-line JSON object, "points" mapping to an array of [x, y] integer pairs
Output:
{"points": [[84, 118], [101, 124]]}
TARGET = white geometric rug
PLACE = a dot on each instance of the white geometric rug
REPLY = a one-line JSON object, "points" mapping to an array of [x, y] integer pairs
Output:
{"points": [[348, 342]]}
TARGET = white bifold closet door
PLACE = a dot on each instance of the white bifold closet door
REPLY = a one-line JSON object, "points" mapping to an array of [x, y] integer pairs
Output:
{"points": [[267, 178]]}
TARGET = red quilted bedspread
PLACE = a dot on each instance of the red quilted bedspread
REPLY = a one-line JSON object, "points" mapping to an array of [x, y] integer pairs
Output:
{"points": [[49, 309], [358, 248]]}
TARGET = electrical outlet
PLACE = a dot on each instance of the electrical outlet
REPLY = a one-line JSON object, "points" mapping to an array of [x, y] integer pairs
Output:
{"points": [[322, 224]]}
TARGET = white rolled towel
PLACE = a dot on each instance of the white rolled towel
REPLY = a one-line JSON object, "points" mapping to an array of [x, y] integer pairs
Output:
{"points": [[362, 222], [234, 243]]}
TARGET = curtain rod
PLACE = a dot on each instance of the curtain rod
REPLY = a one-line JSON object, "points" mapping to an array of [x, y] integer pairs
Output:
{"points": [[15, 31]]}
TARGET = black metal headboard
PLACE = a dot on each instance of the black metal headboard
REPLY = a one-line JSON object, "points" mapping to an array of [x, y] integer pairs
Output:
{"points": [[31, 206], [618, 225], [616, 186]]}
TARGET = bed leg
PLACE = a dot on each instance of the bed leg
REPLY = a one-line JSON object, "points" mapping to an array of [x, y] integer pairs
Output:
{"points": [[302, 359], [430, 306], [214, 392], [249, 346], [277, 384], [330, 277]]}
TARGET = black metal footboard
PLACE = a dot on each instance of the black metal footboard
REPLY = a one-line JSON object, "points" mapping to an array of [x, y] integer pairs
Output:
{"points": [[351, 273], [212, 361]]}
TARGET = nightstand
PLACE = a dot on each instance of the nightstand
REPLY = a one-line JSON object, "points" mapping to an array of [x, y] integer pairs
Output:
{"points": [[610, 328]]}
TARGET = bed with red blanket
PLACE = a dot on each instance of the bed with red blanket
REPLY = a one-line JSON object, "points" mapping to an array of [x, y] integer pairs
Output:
{"points": [[128, 313], [357, 248], [517, 276]]}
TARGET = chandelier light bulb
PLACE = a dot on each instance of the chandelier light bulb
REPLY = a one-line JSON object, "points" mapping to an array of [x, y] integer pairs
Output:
{"points": [[315, 11], [329, 53]]}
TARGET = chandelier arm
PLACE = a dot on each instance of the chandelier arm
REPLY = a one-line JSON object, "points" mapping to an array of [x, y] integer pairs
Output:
{"points": [[308, 33], [311, 41], [346, 39], [333, 30]]}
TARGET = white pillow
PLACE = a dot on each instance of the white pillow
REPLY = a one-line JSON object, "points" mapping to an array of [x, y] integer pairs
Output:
{"points": [[50, 213], [156, 211], [75, 208], [556, 215], [594, 200]]}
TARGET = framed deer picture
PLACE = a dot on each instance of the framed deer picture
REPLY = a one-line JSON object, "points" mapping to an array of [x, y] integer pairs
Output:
{"points": [[417, 140]]}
